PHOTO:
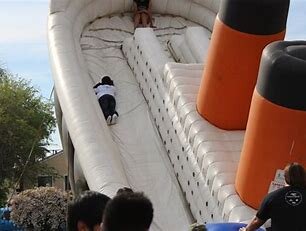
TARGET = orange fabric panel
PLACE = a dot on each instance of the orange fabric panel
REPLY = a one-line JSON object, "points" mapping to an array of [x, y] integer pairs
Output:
{"points": [[275, 136], [230, 75]]}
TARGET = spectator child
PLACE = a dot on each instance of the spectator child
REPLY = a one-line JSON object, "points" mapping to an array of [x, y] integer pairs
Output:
{"points": [[86, 211], [128, 211], [286, 206]]}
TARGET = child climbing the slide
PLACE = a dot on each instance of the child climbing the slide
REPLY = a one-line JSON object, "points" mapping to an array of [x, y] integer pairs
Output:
{"points": [[105, 91]]}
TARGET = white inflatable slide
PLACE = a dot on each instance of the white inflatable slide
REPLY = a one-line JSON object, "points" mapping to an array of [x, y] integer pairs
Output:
{"points": [[160, 144]]}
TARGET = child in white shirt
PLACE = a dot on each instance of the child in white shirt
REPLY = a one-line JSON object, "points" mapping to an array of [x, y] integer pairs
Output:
{"points": [[105, 91]]}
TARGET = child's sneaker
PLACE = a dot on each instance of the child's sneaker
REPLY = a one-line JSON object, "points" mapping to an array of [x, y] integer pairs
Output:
{"points": [[114, 119], [108, 120]]}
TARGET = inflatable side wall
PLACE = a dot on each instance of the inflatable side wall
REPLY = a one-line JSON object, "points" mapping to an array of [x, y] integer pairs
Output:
{"points": [[84, 133], [276, 130], [242, 29]]}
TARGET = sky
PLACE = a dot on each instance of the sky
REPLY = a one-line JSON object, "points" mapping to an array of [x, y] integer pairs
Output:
{"points": [[24, 50], [23, 45]]}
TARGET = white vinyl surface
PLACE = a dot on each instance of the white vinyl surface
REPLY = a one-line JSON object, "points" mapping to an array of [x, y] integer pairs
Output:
{"points": [[143, 156], [159, 138]]}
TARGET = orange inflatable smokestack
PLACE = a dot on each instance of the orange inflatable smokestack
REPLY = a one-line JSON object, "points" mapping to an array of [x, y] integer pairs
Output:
{"points": [[276, 130], [242, 29]]}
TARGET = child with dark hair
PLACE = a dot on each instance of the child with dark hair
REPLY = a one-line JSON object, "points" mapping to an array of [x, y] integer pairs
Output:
{"points": [[198, 227], [142, 13], [86, 211], [105, 91], [286, 207], [131, 211], [124, 190]]}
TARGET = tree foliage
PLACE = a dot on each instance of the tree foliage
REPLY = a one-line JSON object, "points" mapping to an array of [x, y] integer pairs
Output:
{"points": [[26, 122], [42, 208]]}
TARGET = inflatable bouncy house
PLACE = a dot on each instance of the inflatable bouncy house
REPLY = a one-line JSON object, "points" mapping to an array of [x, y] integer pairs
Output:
{"points": [[211, 103]]}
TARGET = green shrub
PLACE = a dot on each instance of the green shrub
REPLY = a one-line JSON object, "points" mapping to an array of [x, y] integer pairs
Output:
{"points": [[42, 208]]}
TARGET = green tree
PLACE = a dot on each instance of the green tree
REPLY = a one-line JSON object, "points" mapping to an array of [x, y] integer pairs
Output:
{"points": [[26, 122]]}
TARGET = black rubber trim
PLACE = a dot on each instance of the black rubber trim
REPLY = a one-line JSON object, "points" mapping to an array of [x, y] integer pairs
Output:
{"points": [[260, 17], [282, 74]]}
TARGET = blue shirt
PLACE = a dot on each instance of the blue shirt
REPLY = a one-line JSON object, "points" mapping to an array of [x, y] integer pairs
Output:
{"points": [[6, 225], [1, 212]]}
